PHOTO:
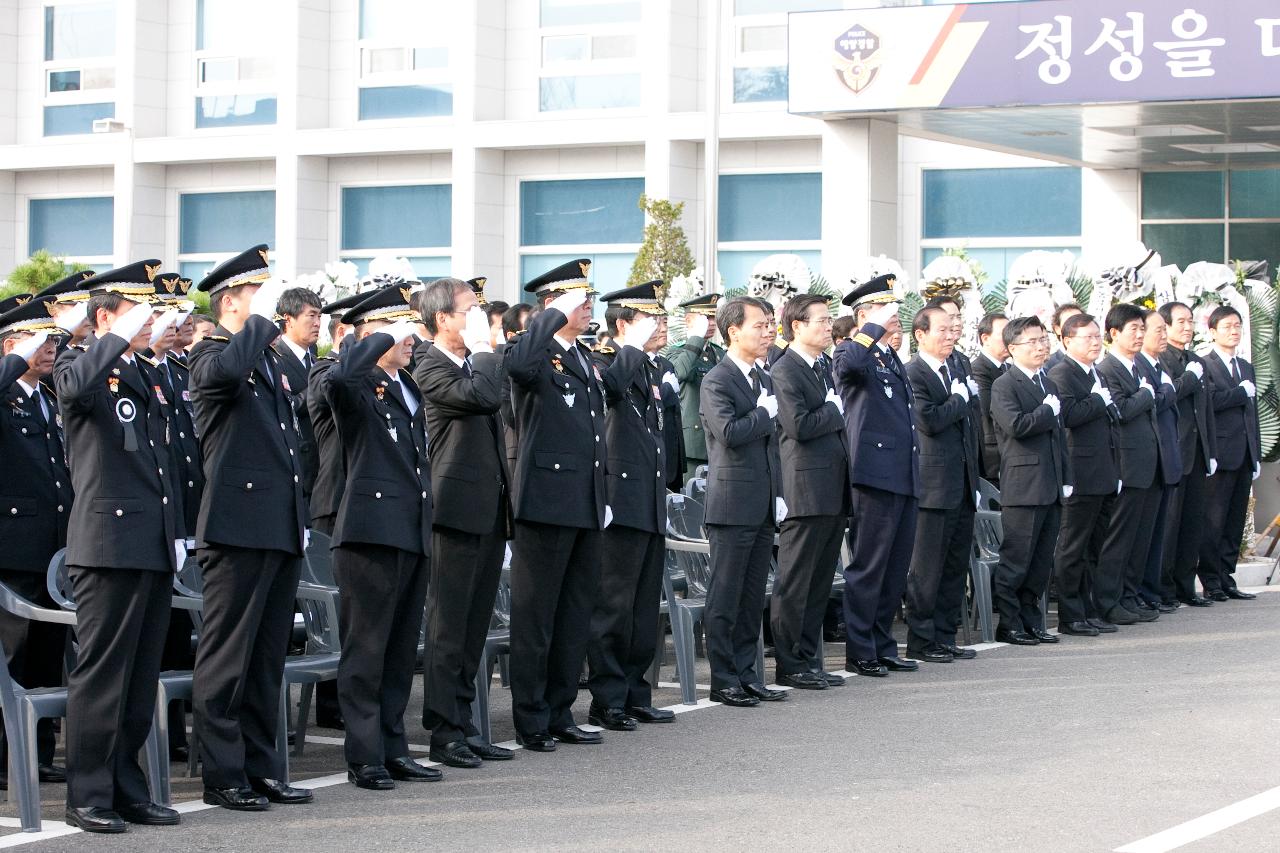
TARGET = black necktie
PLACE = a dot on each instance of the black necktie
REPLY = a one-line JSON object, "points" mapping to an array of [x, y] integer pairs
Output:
{"points": [[466, 367], [1004, 368], [1235, 370], [755, 381], [1039, 384], [306, 361], [266, 369], [819, 370], [1136, 377], [946, 377], [41, 407]]}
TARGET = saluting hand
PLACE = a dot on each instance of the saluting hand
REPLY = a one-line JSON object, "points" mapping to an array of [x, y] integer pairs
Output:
{"points": [[26, 348], [130, 323], [639, 331], [698, 325], [71, 319], [475, 334], [569, 301], [264, 302]]}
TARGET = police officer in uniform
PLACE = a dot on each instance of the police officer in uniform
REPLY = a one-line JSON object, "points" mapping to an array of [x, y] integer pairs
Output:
{"points": [[692, 361], [122, 552], [69, 308], [35, 502], [250, 533], [559, 508]]}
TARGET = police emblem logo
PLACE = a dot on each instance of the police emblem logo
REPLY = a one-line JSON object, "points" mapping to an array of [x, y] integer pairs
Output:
{"points": [[151, 271], [170, 284], [585, 266], [660, 292], [858, 58], [263, 253], [406, 292], [22, 300], [184, 286]]}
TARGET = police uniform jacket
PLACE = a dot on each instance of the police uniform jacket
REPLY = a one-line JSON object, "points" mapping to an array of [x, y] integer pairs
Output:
{"points": [[1195, 412], [35, 492], [296, 376], [636, 473], [253, 492], [672, 425], [692, 362], [184, 447], [125, 515], [326, 492]]}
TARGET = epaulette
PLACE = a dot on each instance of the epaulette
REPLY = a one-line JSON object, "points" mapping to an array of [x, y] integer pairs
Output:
{"points": [[150, 361], [220, 338], [603, 350], [863, 339], [173, 362], [81, 347]]}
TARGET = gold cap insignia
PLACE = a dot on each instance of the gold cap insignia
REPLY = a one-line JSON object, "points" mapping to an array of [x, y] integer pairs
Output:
{"points": [[50, 306], [481, 281], [151, 271], [170, 284], [22, 300], [660, 291], [585, 266], [263, 252], [184, 285], [405, 292]]}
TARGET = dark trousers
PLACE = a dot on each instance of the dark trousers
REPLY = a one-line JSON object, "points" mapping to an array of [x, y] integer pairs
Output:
{"points": [[1150, 588], [881, 536], [464, 584], [1184, 528], [808, 559], [624, 627], [1076, 557], [381, 592], [936, 581], [248, 617], [121, 618], [555, 579], [1026, 564], [33, 651], [1124, 549], [740, 557], [1227, 509]]}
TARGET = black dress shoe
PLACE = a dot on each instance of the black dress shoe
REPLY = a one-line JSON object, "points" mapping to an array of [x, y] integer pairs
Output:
{"points": [[933, 654], [1016, 638], [1103, 626], [831, 678], [405, 769], [1121, 616], [1077, 629], [866, 667], [897, 664], [149, 814], [1241, 595], [51, 773], [486, 751], [1043, 635], [802, 680], [649, 714], [453, 754], [537, 742], [959, 653], [734, 697], [613, 719], [1145, 614], [236, 799], [96, 819], [1166, 608], [1217, 595], [764, 694], [371, 777], [576, 735], [1196, 601], [281, 792]]}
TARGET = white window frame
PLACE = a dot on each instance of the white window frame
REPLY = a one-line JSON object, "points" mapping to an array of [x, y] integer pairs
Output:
{"points": [[83, 64], [25, 236], [734, 57], [588, 67], [253, 86], [408, 76], [335, 235]]}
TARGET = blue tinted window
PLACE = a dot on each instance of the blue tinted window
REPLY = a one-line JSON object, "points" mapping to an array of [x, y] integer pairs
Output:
{"points": [[1036, 202], [426, 268], [594, 92], [397, 217], [405, 101], [226, 222], [75, 118], [995, 262], [759, 84], [554, 213], [1186, 243], [1255, 194], [1256, 241], [235, 110], [1182, 195], [609, 272], [771, 207], [72, 226], [735, 267]]}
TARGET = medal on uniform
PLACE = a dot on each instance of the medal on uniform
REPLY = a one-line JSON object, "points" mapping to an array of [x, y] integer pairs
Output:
{"points": [[113, 382], [126, 412], [160, 395], [284, 380], [394, 433], [888, 391], [557, 364], [569, 398], [380, 391]]}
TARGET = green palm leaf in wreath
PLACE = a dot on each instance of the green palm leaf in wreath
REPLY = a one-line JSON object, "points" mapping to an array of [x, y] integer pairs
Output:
{"points": [[1264, 313], [1081, 287], [819, 287], [994, 298], [907, 310]]}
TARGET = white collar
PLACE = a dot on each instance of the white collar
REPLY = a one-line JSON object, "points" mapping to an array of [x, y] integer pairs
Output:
{"points": [[30, 389], [1087, 368], [569, 345], [988, 357], [807, 359], [933, 363], [1118, 357], [300, 352], [1030, 374], [1154, 362], [742, 365], [1224, 355], [458, 362]]}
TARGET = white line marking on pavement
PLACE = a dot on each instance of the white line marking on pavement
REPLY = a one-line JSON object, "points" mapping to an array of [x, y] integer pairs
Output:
{"points": [[48, 829], [984, 647], [674, 684], [681, 708], [1206, 825], [337, 741]]}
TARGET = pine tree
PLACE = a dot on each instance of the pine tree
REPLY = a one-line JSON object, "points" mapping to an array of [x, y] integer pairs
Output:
{"points": [[664, 254], [41, 270]]}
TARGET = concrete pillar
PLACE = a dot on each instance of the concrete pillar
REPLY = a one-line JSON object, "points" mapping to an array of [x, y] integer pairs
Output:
{"points": [[859, 193], [671, 172], [302, 211], [1110, 205], [477, 178], [139, 210]]}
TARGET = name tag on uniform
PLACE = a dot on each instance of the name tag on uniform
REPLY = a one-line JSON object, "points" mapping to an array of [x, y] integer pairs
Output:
{"points": [[160, 395]]}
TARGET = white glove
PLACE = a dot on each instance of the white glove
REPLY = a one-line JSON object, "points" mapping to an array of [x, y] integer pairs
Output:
{"points": [[883, 314], [1052, 401], [569, 301], [306, 538], [264, 302], [476, 332], [180, 551], [24, 349], [1257, 471], [1144, 384], [1068, 491], [182, 318], [128, 324], [960, 389], [1104, 392], [402, 329], [833, 397], [162, 324], [669, 378], [639, 331], [1166, 381], [1119, 486], [1249, 387], [71, 319], [608, 515], [974, 390], [1213, 467], [1195, 369], [779, 510], [698, 325], [769, 403]]}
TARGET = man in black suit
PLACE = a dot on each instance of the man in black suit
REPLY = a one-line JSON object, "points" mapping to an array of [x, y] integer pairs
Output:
{"points": [[326, 492], [1087, 415], [948, 491], [625, 623], [299, 311], [1198, 441], [461, 378], [1123, 557], [1239, 456], [1061, 315], [1035, 474], [989, 365], [251, 534], [744, 501], [381, 540], [1154, 342], [122, 550], [35, 504], [560, 508], [884, 469], [815, 479]]}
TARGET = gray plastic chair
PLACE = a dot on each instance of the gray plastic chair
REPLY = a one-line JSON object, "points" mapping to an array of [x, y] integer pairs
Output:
{"points": [[696, 488], [988, 531], [320, 662], [317, 570]]}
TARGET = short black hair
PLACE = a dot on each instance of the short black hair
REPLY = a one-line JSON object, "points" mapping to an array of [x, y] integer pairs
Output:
{"points": [[797, 309], [1062, 309], [1166, 310], [109, 302], [1076, 321], [842, 327], [943, 299], [335, 320], [1121, 315], [215, 300], [615, 312], [439, 295], [1221, 313], [733, 312], [1018, 326], [202, 318], [923, 321], [987, 325], [496, 308], [295, 300], [515, 317]]}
